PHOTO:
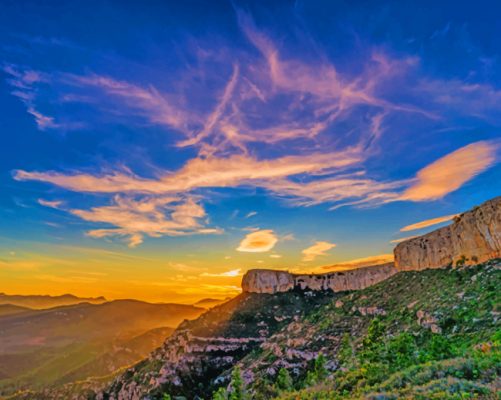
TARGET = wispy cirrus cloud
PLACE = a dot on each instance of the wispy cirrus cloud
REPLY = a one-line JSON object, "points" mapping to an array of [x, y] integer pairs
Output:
{"points": [[50, 203], [24, 81], [152, 216], [148, 102], [317, 250], [199, 173], [316, 150], [325, 184]]}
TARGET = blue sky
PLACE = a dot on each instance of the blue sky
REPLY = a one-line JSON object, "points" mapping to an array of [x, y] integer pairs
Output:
{"points": [[200, 139]]}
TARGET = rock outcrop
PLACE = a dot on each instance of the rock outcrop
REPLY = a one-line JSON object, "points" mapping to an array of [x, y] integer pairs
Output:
{"points": [[474, 236], [271, 281]]}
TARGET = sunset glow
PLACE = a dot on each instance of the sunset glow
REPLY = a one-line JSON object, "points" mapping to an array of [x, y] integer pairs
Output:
{"points": [[160, 153]]}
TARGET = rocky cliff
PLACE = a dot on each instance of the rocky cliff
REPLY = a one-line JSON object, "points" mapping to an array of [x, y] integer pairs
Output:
{"points": [[474, 235], [270, 281]]}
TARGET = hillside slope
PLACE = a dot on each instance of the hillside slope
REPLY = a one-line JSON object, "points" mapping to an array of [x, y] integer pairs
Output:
{"points": [[40, 348], [440, 325], [433, 331], [190, 361]]}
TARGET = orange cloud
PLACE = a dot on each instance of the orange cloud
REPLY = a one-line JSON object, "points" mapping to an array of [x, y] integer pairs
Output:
{"points": [[316, 250], [151, 216], [396, 241], [258, 242], [360, 262], [228, 274], [199, 173], [427, 223], [450, 172]]}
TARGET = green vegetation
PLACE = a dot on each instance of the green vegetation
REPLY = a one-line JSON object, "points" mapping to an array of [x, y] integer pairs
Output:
{"points": [[237, 389], [432, 334]]}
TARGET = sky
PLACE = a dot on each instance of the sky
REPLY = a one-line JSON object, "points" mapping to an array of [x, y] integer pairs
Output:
{"points": [[158, 151]]}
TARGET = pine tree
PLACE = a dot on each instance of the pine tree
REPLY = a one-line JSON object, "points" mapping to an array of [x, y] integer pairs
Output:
{"points": [[220, 394], [284, 380], [237, 385]]}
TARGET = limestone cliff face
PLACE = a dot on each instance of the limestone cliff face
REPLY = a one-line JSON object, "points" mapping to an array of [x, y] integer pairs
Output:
{"points": [[267, 281], [270, 281], [475, 234]]}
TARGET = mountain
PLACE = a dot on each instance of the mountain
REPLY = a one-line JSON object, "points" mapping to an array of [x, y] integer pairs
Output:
{"points": [[9, 309], [419, 329], [46, 301], [64, 344], [433, 322], [406, 331], [209, 303]]}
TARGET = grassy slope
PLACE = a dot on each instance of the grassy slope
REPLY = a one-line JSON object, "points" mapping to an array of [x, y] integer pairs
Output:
{"points": [[392, 356]]}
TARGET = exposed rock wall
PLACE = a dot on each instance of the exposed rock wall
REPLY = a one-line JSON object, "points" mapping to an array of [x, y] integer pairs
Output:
{"points": [[475, 234], [270, 281]]}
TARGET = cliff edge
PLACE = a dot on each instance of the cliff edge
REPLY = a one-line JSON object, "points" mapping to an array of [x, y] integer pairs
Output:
{"points": [[473, 237], [272, 281]]}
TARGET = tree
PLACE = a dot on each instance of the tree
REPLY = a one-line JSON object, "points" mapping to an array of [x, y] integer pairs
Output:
{"points": [[220, 394], [237, 385], [373, 343], [319, 372], [401, 351], [345, 354], [462, 261], [284, 380]]}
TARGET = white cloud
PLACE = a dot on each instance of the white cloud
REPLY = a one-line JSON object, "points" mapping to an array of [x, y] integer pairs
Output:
{"points": [[51, 204]]}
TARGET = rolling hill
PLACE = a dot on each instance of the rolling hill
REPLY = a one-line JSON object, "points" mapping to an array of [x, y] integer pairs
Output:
{"points": [[46, 301], [54, 346]]}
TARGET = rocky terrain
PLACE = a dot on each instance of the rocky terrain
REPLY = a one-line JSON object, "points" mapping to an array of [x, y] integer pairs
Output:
{"points": [[473, 237], [191, 360], [442, 322], [431, 334], [270, 281]]}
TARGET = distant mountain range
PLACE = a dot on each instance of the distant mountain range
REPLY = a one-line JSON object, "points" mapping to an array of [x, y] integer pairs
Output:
{"points": [[46, 301], [61, 344]]}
